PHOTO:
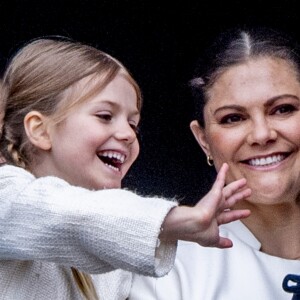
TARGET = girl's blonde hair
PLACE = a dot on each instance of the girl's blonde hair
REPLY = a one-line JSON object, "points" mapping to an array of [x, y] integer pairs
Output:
{"points": [[40, 77]]}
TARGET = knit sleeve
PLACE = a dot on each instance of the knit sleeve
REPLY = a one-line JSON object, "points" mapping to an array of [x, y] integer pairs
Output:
{"points": [[96, 231]]}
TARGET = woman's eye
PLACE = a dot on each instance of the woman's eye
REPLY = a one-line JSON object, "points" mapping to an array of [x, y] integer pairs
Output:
{"points": [[229, 119], [284, 109]]}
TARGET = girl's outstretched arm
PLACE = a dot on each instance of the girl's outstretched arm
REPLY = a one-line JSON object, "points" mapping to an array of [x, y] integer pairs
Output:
{"points": [[200, 223]]}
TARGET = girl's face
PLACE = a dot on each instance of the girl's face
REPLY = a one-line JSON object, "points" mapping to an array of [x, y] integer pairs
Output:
{"points": [[253, 123], [96, 144]]}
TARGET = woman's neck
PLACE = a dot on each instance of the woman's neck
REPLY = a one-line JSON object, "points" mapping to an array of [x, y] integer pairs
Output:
{"points": [[277, 228]]}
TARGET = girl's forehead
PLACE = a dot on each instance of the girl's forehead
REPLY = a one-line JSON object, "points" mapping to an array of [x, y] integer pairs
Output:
{"points": [[94, 89], [118, 93]]}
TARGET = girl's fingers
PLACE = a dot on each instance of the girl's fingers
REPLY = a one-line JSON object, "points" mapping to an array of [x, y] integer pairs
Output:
{"points": [[228, 216], [220, 180], [237, 197], [224, 243], [214, 197], [233, 187]]}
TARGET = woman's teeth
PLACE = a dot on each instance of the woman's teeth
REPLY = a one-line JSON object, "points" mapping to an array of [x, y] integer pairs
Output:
{"points": [[266, 161]]}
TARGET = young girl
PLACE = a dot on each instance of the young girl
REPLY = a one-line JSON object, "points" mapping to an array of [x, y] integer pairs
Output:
{"points": [[71, 114]]}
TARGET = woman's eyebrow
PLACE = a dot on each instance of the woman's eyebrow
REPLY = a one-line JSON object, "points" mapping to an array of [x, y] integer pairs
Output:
{"points": [[279, 97], [232, 106], [269, 102]]}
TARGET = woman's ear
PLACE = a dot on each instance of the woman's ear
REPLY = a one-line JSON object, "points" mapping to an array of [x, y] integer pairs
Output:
{"points": [[36, 127], [200, 137]]}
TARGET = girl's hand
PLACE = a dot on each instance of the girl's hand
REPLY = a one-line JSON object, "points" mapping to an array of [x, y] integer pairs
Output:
{"points": [[200, 223]]}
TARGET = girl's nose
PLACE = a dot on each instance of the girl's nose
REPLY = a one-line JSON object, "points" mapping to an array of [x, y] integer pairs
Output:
{"points": [[261, 133], [126, 133]]}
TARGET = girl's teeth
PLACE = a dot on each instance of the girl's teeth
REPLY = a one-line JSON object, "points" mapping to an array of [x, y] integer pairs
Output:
{"points": [[115, 155], [112, 167]]}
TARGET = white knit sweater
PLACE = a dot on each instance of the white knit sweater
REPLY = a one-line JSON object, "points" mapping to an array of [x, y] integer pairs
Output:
{"points": [[47, 226]]}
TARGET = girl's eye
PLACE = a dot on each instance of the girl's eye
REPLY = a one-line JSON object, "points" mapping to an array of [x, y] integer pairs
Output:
{"points": [[284, 109], [230, 119], [105, 117], [135, 128]]}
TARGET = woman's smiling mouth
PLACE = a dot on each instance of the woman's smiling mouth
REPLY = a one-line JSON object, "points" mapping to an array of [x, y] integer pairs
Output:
{"points": [[267, 160]]}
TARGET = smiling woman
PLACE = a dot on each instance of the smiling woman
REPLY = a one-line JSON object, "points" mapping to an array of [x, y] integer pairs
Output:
{"points": [[247, 105], [253, 125]]}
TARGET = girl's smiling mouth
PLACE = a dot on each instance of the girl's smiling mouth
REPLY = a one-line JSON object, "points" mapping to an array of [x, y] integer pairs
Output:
{"points": [[112, 159]]}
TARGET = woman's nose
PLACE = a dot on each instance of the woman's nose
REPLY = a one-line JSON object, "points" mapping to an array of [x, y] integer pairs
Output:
{"points": [[261, 132]]}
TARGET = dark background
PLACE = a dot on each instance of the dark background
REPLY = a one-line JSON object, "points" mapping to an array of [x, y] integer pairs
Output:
{"points": [[159, 42]]}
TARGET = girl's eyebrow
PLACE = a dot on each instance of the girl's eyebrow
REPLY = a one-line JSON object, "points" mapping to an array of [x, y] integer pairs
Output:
{"points": [[269, 102], [114, 104], [102, 101]]}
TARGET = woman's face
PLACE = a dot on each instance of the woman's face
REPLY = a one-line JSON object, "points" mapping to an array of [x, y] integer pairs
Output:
{"points": [[96, 144], [253, 123]]}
